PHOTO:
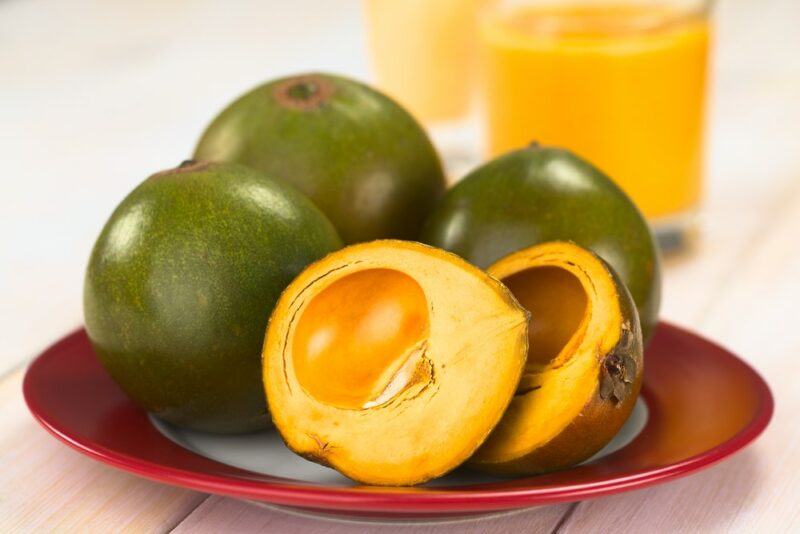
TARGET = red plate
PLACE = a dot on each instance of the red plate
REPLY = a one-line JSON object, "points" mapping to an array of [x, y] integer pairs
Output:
{"points": [[704, 404]]}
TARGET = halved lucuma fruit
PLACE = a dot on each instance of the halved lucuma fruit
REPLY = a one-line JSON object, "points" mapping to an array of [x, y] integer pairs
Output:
{"points": [[584, 367], [392, 361]]}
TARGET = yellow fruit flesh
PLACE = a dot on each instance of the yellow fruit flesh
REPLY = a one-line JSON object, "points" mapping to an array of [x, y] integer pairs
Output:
{"points": [[557, 303], [355, 335], [391, 361], [573, 299]]}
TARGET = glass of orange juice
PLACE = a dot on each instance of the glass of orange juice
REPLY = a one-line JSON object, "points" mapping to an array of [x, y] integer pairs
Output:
{"points": [[621, 83], [423, 53]]}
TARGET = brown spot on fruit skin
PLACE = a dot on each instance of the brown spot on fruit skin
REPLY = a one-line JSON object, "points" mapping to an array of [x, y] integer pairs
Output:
{"points": [[618, 371]]}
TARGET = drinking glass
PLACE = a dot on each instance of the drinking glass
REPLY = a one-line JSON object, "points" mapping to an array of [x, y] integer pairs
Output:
{"points": [[622, 83], [423, 53]]}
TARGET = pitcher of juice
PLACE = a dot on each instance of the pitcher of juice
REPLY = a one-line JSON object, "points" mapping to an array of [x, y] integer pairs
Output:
{"points": [[621, 83]]}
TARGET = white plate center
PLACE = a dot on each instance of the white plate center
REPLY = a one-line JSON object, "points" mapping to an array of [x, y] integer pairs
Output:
{"points": [[264, 452]]}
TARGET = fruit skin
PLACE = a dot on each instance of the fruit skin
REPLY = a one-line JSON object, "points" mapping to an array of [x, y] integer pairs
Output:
{"points": [[539, 194], [613, 390], [363, 160], [181, 282]]}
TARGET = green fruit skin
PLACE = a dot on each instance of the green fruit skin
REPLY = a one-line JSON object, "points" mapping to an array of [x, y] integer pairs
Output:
{"points": [[363, 160], [181, 283], [539, 194]]}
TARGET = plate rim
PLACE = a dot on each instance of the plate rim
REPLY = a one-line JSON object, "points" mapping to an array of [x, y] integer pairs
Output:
{"points": [[401, 500]]}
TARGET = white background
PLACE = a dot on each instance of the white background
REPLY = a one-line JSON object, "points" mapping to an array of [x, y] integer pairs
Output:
{"points": [[97, 95]]}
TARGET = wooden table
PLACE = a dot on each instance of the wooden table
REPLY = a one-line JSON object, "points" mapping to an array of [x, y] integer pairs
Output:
{"points": [[97, 95]]}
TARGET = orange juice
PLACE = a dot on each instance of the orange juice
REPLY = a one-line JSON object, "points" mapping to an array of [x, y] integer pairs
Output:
{"points": [[423, 52], [621, 85]]}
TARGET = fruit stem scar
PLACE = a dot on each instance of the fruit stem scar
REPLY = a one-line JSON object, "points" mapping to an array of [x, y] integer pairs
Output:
{"points": [[187, 165], [303, 92]]}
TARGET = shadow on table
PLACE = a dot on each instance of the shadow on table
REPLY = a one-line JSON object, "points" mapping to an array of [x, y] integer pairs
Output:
{"points": [[534, 520]]}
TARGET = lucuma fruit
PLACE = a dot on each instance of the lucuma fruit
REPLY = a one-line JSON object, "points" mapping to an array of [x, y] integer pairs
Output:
{"points": [[538, 194], [584, 367], [362, 159], [391, 361], [181, 283]]}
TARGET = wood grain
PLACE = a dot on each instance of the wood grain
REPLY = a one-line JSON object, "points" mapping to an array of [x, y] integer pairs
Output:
{"points": [[46, 487]]}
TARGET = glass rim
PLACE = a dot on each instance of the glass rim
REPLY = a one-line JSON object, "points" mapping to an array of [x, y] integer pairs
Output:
{"points": [[683, 7], [494, 14]]}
